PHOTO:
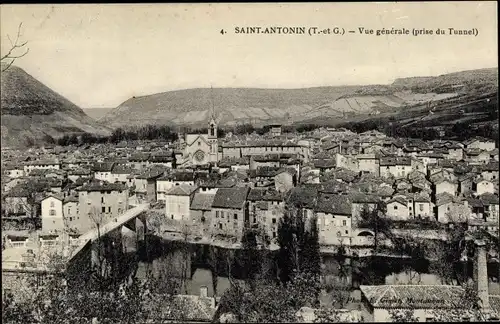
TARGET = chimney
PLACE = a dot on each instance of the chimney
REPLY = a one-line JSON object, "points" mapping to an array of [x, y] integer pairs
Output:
{"points": [[203, 292], [481, 275]]}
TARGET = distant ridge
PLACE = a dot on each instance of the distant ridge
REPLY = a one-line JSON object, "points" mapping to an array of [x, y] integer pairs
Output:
{"points": [[234, 106], [31, 111]]}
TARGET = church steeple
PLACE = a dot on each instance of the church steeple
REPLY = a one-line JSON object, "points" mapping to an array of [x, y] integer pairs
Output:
{"points": [[212, 123]]}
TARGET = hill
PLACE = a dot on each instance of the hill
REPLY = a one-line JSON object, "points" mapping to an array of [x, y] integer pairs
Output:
{"points": [[96, 113], [32, 112], [291, 106]]}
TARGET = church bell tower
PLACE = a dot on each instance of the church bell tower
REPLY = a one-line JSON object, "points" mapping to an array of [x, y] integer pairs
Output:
{"points": [[212, 134]]}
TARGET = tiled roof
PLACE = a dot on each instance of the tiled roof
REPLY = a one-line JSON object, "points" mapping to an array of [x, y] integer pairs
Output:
{"points": [[334, 187], [202, 201], [414, 296], [324, 163], [151, 174], [489, 199], [265, 172], [268, 143], [400, 200], [71, 199], [495, 303], [102, 186], [333, 204], [139, 157], [266, 158], [492, 166], [181, 190], [230, 197], [227, 162], [161, 158], [179, 176], [422, 198], [444, 198], [304, 196], [103, 166], [392, 161], [43, 162], [264, 194], [122, 170], [54, 195], [364, 198]]}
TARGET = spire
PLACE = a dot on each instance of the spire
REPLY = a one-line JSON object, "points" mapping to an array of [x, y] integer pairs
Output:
{"points": [[212, 112]]}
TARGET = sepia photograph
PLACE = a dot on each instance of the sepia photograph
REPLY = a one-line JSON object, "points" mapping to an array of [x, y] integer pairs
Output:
{"points": [[250, 162]]}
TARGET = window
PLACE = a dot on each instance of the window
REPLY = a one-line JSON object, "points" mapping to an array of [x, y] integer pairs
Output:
{"points": [[199, 143], [70, 219], [421, 207], [274, 220], [52, 204], [395, 207], [103, 209], [109, 209], [102, 200], [220, 226], [217, 214], [344, 223], [409, 208], [235, 216], [52, 212]]}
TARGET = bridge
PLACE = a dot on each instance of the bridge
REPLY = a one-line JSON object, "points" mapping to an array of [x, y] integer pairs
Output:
{"points": [[124, 220]]}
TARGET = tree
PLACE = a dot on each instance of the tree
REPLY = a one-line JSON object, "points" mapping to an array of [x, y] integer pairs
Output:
{"points": [[186, 255], [213, 263], [251, 256], [409, 245], [403, 316], [458, 213], [374, 219], [269, 301], [327, 315], [13, 53], [287, 241], [310, 249], [449, 254]]}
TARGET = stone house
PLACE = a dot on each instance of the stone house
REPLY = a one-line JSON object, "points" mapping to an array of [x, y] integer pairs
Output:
{"points": [[333, 214], [230, 211], [398, 209], [178, 202], [481, 186], [100, 202], [52, 214]]}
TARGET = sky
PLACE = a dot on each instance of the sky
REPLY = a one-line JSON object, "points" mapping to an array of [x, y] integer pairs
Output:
{"points": [[100, 55]]}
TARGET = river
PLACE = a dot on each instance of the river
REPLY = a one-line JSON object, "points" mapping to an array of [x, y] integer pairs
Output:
{"points": [[161, 255]]}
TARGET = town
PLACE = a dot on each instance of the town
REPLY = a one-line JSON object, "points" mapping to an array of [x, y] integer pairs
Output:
{"points": [[180, 164], [203, 191]]}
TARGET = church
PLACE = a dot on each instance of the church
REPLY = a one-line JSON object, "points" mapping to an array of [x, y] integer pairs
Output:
{"points": [[202, 149]]}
